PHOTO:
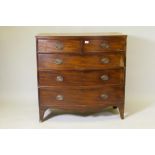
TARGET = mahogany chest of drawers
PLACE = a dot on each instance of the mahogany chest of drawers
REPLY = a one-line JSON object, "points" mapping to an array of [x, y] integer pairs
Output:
{"points": [[81, 73]]}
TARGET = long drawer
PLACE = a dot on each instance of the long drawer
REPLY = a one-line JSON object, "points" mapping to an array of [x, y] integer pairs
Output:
{"points": [[81, 78], [76, 96], [77, 62]]}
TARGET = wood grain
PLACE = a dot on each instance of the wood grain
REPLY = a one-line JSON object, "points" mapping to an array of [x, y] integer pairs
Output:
{"points": [[52, 46], [81, 96], [81, 68], [79, 62], [81, 78], [115, 45]]}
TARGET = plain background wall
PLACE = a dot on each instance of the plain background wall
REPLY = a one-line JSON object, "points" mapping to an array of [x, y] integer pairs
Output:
{"points": [[18, 80]]}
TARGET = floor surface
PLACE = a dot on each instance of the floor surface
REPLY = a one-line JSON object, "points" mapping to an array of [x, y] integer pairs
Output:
{"points": [[25, 115]]}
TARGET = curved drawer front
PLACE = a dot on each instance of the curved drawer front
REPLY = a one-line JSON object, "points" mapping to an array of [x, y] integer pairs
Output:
{"points": [[81, 78], [105, 45], [73, 97], [59, 46], [77, 62]]}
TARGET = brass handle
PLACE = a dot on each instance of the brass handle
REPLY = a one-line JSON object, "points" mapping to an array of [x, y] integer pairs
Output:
{"points": [[104, 77], [58, 61], [104, 45], [59, 45], [59, 97], [59, 78], [104, 96], [105, 60]]}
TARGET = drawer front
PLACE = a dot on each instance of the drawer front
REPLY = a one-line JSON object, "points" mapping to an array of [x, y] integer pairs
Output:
{"points": [[59, 97], [81, 78], [59, 46], [77, 62], [105, 45]]}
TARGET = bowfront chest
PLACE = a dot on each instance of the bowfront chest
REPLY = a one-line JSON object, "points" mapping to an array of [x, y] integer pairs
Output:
{"points": [[81, 73]]}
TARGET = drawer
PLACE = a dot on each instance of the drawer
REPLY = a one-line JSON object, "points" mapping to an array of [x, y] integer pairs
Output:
{"points": [[81, 78], [72, 97], [105, 45], [77, 62], [59, 46]]}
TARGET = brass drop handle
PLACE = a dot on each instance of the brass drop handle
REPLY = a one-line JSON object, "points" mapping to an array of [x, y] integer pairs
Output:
{"points": [[59, 78], [59, 97], [58, 61], [105, 60], [104, 96], [59, 45], [104, 77], [104, 45]]}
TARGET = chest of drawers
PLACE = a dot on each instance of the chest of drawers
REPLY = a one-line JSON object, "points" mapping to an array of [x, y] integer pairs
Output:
{"points": [[81, 73]]}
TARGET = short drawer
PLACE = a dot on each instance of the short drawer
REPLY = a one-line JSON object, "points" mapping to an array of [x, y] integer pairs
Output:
{"points": [[77, 62], [81, 78], [105, 45], [60, 97], [58, 46]]}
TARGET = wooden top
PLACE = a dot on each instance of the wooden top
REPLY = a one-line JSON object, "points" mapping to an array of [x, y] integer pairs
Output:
{"points": [[108, 34]]}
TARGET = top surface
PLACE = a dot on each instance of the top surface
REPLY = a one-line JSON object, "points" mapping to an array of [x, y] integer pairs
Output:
{"points": [[80, 34]]}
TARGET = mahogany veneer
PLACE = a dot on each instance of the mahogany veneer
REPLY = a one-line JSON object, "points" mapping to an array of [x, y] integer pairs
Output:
{"points": [[81, 73]]}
